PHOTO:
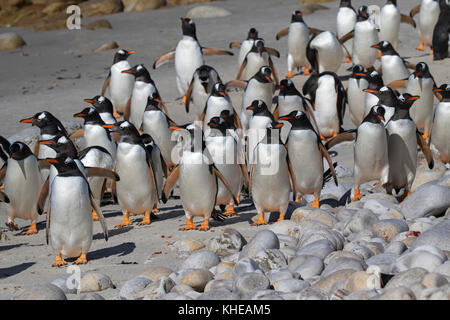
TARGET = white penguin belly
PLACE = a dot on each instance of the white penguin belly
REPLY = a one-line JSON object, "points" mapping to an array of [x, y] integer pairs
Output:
{"points": [[389, 24], [214, 106], [393, 69], [287, 104], [255, 91], [357, 99], [370, 101], [22, 185], [141, 92], [188, 57], [306, 160], [371, 154], [246, 46], [256, 133], [440, 137], [120, 85], [345, 22], [107, 117], [329, 51], [95, 135], [428, 17], [422, 110], [97, 158], [45, 152], [365, 36], [71, 219], [298, 38], [136, 190], [199, 97], [326, 106]]}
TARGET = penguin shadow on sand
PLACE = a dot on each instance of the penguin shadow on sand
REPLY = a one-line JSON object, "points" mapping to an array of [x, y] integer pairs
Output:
{"points": [[12, 246], [39, 226], [119, 250], [11, 271]]}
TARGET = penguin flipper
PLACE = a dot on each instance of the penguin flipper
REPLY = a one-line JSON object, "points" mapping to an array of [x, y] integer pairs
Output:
{"points": [[276, 113], [99, 212], [43, 164], [282, 33], [170, 182], [127, 110], [330, 163], [237, 120], [414, 11], [163, 59], [188, 95], [274, 70], [314, 31], [4, 151], [77, 134], [101, 172], [241, 69], [235, 44], [425, 149], [36, 147], [409, 65], [245, 174], [43, 196], [3, 171], [163, 107], [273, 52], [407, 19], [236, 83], [398, 84], [47, 222], [224, 181], [293, 178], [347, 37], [215, 51], [341, 137], [106, 83], [4, 197], [250, 182]]}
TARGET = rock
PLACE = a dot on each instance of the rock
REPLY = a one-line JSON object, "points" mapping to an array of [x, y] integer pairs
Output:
{"points": [[425, 175], [10, 41], [440, 293], [54, 7], [278, 275], [312, 1], [208, 12], [197, 279], [224, 267], [438, 235], [282, 227], [62, 284], [342, 264], [227, 242], [306, 266], [361, 280], [307, 214], [134, 286], [99, 24], [270, 259], [43, 292], [181, 289], [417, 259], [184, 2], [141, 5], [360, 251], [245, 265], [312, 294], [379, 196], [290, 285], [311, 235], [396, 247], [203, 259], [398, 293], [362, 220], [107, 46], [218, 295], [389, 228], [157, 290], [345, 214], [407, 278], [264, 239], [247, 284], [320, 249], [364, 294], [91, 296], [328, 281], [382, 207], [428, 200], [421, 225], [219, 285], [188, 245], [311, 8], [100, 7], [155, 273], [383, 261], [433, 280], [443, 269], [228, 275], [94, 281], [287, 241]]}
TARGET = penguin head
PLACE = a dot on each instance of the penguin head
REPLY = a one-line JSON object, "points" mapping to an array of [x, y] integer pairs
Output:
{"points": [[297, 16], [228, 119], [153, 102], [188, 27], [264, 74], [345, 3], [65, 165], [123, 128], [62, 145], [358, 72], [19, 151], [385, 47], [140, 73], [394, 2], [219, 90], [421, 70], [257, 106], [90, 115], [207, 76], [101, 104], [40, 119], [375, 80], [362, 13], [215, 122], [148, 142], [406, 100], [385, 95], [444, 91], [252, 34], [287, 87], [258, 46], [376, 114], [122, 54]]}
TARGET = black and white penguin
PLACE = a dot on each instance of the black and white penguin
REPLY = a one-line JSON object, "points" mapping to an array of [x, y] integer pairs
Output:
{"points": [[246, 45], [188, 56], [104, 108], [118, 84], [345, 23], [393, 66], [324, 52], [386, 99], [441, 32], [355, 94], [375, 84], [440, 136], [215, 104], [428, 17]]}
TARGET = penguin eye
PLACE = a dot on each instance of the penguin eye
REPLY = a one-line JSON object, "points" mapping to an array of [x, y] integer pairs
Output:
{"points": [[62, 140]]}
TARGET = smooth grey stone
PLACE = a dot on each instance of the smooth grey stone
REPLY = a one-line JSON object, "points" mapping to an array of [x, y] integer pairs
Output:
{"points": [[264, 239], [443, 269], [218, 294], [407, 278], [313, 294], [91, 296], [397, 293], [312, 235], [289, 253], [396, 247], [428, 200], [417, 259], [287, 241], [202, 259], [95, 281], [311, 267], [277, 275], [247, 284], [341, 264], [263, 292], [219, 284], [270, 259], [291, 285], [227, 242], [362, 220], [438, 235], [360, 250], [364, 294], [346, 214], [62, 284], [133, 286], [244, 266], [170, 296], [42, 292], [320, 249], [389, 228], [383, 261]]}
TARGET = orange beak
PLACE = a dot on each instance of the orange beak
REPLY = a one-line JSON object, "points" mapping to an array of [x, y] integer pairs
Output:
{"points": [[268, 79], [131, 52], [79, 115], [223, 94], [375, 46], [29, 120], [414, 98], [52, 161], [174, 128], [285, 118], [359, 74], [108, 126], [89, 101], [157, 100], [46, 142], [438, 90], [381, 118], [279, 125], [128, 71], [251, 108], [369, 91]]}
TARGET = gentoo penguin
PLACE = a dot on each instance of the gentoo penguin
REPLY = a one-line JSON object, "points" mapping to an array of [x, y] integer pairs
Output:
{"points": [[255, 59], [22, 185], [375, 84], [188, 56], [324, 52], [386, 99], [94, 132], [258, 123], [428, 16], [157, 163], [355, 94], [246, 45], [298, 37], [197, 178], [69, 222], [223, 149], [270, 177], [329, 99], [205, 77], [120, 84], [403, 140], [440, 136], [49, 127], [259, 87], [4, 153], [144, 87], [364, 36], [441, 32], [137, 189], [156, 124], [306, 153], [390, 18], [215, 104], [421, 83], [393, 66], [370, 151], [345, 23], [104, 108]]}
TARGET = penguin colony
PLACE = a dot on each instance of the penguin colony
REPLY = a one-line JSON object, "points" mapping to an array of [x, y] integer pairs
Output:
{"points": [[136, 154]]}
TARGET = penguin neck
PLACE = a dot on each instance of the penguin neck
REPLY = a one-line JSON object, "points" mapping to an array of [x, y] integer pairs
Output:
{"points": [[301, 123], [118, 58], [375, 83], [372, 118], [50, 129], [144, 77], [393, 2], [401, 112], [345, 4], [263, 113], [289, 91], [388, 100], [152, 107], [93, 119], [390, 52], [131, 139]]}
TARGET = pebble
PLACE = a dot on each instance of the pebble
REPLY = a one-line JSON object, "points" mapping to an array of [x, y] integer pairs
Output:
{"points": [[42, 292], [224, 267], [188, 245], [327, 281], [307, 214], [99, 24], [438, 235], [62, 284], [203, 259], [443, 269], [312, 235], [283, 227], [216, 284], [107, 46], [362, 220], [383, 261], [389, 228], [396, 247], [342, 253], [181, 289], [361, 251], [364, 294], [94, 281], [264, 239], [270, 259], [218, 295], [313, 294], [290, 285], [10, 41], [407, 278], [417, 259], [342, 264], [92, 296], [345, 214], [398, 293], [433, 280], [197, 279], [362, 280], [244, 266], [227, 242], [133, 286], [207, 12], [307, 267], [277, 275], [382, 207], [428, 200], [247, 284], [157, 290]]}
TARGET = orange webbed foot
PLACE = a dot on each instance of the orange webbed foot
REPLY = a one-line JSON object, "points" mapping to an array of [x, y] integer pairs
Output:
{"points": [[290, 74], [307, 72], [59, 261], [125, 221], [146, 220], [116, 115], [204, 226], [357, 195], [94, 215], [81, 260], [32, 229], [348, 60], [183, 100], [230, 212], [189, 225], [281, 218], [421, 47], [261, 221], [431, 52], [315, 203]]}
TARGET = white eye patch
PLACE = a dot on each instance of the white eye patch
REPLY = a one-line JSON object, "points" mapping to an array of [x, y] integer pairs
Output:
{"points": [[101, 99], [42, 116], [63, 140]]}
